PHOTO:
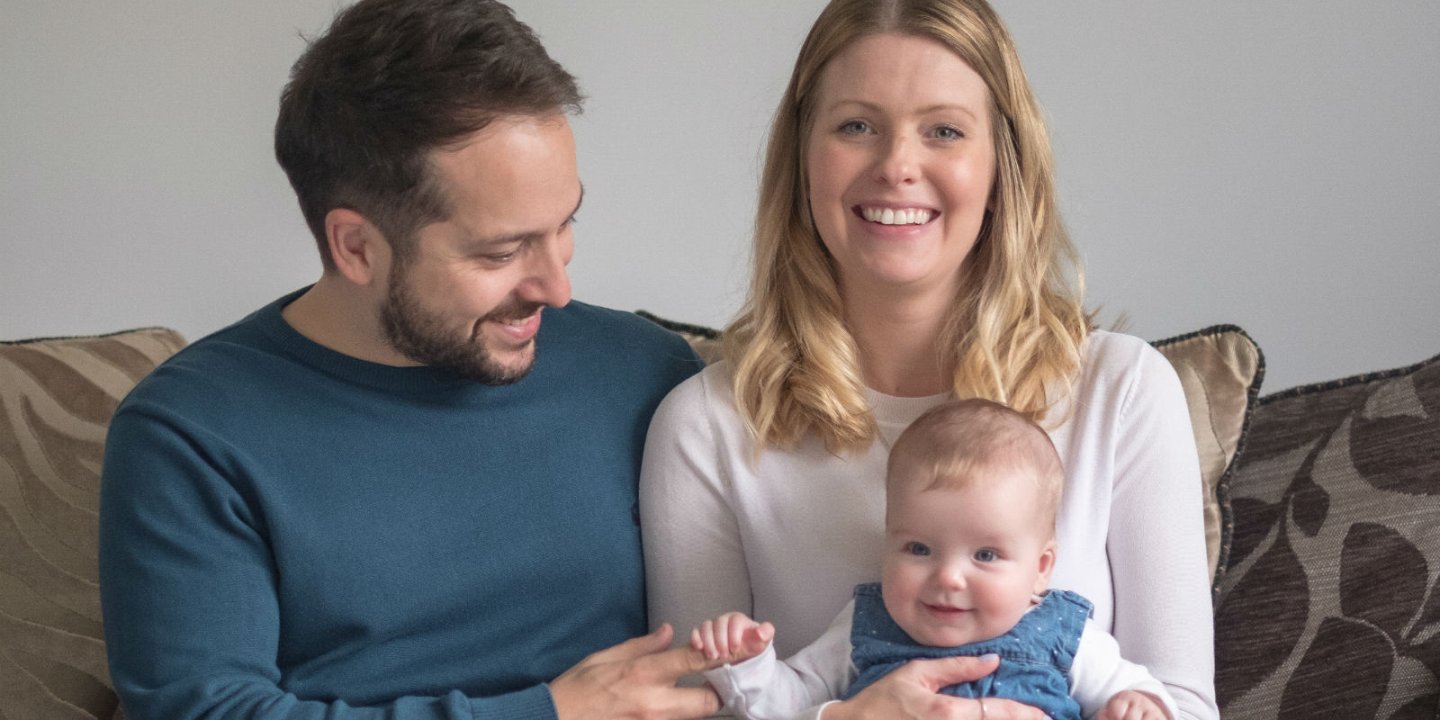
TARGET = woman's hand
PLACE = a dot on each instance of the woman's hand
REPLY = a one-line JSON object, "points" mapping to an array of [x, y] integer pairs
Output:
{"points": [[913, 693]]}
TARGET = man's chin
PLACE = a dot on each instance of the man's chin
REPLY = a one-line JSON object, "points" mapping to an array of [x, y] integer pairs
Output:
{"points": [[502, 368], [483, 368], [509, 372]]}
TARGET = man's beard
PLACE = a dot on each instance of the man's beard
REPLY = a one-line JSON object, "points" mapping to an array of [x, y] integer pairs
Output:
{"points": [[421, 336]]}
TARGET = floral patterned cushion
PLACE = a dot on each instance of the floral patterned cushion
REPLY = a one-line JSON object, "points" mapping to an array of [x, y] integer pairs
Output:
{"points": [[1331, 605]]}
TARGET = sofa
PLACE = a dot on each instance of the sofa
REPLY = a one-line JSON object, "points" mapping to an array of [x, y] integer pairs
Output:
{"points": [[1322, 514]]}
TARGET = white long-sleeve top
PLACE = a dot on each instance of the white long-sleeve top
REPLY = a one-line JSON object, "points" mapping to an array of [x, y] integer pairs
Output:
{"points": [[786, 534], [764, 688]]}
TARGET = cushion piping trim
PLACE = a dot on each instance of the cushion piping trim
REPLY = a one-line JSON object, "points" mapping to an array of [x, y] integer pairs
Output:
{"points": [[28, 341], [680, 327], [1360, 379]]}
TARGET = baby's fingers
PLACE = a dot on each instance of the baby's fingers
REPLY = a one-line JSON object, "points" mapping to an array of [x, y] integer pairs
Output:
{"points": [[735, 629], [722, 636], [1113, 710], [1128, 705], [706, 631], [756, 639]]}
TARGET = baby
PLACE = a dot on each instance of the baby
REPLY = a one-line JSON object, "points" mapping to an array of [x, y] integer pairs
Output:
{"points": [[972, 489]]}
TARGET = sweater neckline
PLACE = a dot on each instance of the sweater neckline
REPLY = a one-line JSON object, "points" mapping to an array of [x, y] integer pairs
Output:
{"points": [[419, 379], [894, 413], [893, 408]]}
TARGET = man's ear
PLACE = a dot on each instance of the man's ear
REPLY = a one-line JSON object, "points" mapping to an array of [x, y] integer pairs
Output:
{"points": [[1047, 565], [357, 247]]}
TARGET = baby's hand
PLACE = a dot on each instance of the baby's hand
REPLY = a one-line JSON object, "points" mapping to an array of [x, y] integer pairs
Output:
{"points": [[732, 637], [1133, 705]]}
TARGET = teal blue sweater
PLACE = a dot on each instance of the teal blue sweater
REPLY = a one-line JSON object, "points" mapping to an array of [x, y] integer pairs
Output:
{"points": [[288, 532]]}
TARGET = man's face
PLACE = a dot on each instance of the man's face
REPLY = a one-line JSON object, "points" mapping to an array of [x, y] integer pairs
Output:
{"points": [[467, 294]]}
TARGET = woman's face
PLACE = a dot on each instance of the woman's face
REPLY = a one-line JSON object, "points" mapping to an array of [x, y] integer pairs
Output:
{"points": [[900, 165]]}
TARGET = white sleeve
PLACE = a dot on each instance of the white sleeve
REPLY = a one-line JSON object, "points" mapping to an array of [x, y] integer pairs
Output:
{"points": [[1099, 672], [762, 688], [1156, 543], [694, 563]]}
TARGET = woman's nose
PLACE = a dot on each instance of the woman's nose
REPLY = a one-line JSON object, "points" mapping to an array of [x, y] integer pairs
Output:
{"points": [[899, 162]]}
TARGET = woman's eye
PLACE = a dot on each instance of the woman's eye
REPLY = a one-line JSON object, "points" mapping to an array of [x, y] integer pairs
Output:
{"points": [[986, 555], [855, 127], [915, 548], [946, 132]]}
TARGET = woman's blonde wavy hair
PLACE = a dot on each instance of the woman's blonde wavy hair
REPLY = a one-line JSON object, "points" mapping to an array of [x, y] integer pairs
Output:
{"points": [[1015, 330]]}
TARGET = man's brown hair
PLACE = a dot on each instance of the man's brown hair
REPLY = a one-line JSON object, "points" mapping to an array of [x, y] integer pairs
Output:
{"points": [[392, 80]]}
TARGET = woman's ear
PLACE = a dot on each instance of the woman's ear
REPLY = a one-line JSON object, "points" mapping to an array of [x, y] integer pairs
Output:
{"points": [[357, 247]]}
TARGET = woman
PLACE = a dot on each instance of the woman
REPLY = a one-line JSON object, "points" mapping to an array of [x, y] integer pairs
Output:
{"points": [[908, 250]]}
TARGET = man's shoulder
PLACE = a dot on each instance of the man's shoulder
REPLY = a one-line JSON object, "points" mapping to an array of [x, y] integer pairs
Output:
{"points": [[600, 329], [579, 316], [600, 346], [231, 361]]}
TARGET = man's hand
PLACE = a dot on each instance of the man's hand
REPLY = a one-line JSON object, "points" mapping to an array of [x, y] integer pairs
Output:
{"points": [[1132, 705], [913, 693], [732, 637], [635, 679]]}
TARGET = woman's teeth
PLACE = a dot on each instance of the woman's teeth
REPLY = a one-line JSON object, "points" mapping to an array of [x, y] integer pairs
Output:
{"points": [[889, 216]]}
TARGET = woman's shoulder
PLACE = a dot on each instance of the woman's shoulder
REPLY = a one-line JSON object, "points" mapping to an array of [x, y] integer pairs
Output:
{"points": [[698, 419], [1109, 347], [705, 387], [706, 395], [1117, 356], [1118, 367]]}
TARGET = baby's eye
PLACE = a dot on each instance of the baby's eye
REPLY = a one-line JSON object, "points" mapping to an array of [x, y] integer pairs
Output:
{"points": [[919, 549], [986, 555], [855, 127]]}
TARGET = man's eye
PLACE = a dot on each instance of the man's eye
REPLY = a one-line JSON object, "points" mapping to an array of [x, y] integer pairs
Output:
{"points": [[986, 555], [915, 548]]}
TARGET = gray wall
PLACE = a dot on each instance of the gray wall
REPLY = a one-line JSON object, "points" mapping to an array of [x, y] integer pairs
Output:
{"points": [[1265, 163]]}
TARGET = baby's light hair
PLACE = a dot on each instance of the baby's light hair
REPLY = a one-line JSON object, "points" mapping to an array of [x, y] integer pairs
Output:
{"points": [[961, 442]]}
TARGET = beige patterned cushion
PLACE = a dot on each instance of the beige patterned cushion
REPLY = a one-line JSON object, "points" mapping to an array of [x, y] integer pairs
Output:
{"points": [[56, 399], [1220, 368]]}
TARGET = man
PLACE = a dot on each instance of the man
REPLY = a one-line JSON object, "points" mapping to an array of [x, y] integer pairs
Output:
{"points": [[407, 491]]}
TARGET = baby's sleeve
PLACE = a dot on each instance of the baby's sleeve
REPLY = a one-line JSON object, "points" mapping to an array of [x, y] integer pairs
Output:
{"points": [[1098, 673], [765, 688]]}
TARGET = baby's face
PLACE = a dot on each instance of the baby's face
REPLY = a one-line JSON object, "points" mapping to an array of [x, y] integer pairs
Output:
{"points": [[962, 565]]}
